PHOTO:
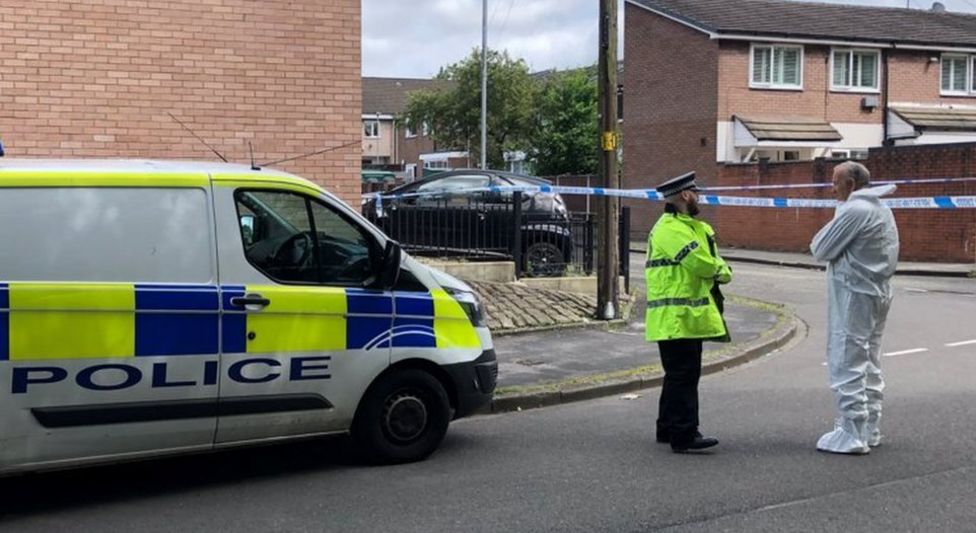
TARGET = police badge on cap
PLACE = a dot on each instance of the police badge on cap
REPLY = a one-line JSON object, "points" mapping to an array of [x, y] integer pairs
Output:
{"points": [[685, 182]]}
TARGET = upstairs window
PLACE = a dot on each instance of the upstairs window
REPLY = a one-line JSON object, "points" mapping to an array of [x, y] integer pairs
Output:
{"points": [[956, 77], [776, 67], [371, 129], [856, 70]]}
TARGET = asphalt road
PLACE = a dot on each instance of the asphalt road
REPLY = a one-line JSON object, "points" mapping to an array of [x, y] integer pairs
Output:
{"points": [[593, 466]]}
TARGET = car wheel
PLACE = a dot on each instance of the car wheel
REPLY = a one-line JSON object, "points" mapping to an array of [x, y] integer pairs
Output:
{"points": [[402, 418], [544, 259]]}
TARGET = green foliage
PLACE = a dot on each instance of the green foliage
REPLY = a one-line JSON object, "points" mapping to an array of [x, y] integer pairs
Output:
{"points": [[553, 119], [454, 115], [565, 140]]}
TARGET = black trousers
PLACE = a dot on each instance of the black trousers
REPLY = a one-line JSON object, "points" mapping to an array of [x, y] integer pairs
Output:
{"points": [[678, 410]]}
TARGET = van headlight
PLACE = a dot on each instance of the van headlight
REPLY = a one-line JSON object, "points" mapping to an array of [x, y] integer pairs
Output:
{"points": [[472, 306]]}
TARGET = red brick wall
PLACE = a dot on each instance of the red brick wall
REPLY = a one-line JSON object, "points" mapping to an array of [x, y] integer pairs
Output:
{"points": [[937, 235], [96, 79], [815, 100], [915, 79], [670, 81], [411, 148]]}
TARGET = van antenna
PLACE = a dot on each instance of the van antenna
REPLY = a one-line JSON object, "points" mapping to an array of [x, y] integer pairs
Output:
{"points": [[310, 154], [212, 149], [251, 147]]}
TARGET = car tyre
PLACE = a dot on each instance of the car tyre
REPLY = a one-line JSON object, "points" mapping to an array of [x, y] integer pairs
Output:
{"points": [[544, 259], [402, 418]]}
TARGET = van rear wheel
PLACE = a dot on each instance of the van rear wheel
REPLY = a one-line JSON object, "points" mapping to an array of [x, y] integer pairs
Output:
{"points": [[402, 418]]}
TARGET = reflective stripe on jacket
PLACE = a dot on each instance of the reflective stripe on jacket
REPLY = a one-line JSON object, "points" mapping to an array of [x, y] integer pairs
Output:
{"points": [[682, 266]]}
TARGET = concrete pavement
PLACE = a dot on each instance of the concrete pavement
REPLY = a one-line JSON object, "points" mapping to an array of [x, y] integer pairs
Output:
{"points": [[552, 367], [548, 368]]}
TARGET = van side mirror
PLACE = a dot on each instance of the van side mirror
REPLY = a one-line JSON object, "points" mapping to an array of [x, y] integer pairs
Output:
{"points": [[247, 229], [389, 268]]}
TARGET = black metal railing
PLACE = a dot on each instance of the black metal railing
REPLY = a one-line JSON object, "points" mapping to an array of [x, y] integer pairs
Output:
{"points": [[623, 244], [531, 230]]}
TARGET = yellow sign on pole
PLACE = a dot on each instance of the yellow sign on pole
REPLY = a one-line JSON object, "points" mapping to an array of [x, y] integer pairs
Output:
{"points": [[609, 141]]}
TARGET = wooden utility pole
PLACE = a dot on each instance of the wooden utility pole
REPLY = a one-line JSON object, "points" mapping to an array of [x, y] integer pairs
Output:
{"points": [[484, 85], [608, 263]]}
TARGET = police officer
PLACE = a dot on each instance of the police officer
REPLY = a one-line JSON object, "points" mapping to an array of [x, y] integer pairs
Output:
{"points": [[684, 307]]}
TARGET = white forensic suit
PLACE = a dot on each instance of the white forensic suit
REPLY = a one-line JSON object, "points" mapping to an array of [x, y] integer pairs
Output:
{"points": [[861, 246]]}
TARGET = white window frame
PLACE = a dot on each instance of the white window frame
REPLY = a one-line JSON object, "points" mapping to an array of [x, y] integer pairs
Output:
{"points": [[408, 131], [970, 89], [834, 86], [376, 129], [774, 86]]}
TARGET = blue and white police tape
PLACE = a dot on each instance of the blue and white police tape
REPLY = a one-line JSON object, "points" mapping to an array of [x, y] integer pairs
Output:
{"points": [[912, 181], [924, 202]]}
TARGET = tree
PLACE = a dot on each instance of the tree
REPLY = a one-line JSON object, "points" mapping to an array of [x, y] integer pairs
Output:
{"points": [[565, 137], [454, 115]]}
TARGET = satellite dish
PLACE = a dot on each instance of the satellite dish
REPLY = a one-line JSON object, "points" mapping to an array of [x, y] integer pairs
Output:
{"points": [[938, 7]]}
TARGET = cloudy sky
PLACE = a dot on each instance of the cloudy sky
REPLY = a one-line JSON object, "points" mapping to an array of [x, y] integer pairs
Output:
{"points": [[414, 38]]}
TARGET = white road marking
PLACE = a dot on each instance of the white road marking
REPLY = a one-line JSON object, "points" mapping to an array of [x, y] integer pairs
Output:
{"points": [[906, 352], [911, 289], [961, 343]]}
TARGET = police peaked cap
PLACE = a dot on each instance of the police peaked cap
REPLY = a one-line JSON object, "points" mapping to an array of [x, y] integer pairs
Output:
{"points": [[685, 182]]}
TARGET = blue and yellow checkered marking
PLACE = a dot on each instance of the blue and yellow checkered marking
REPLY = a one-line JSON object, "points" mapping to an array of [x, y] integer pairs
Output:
{"points": [[40, 321], [233, 325], [368, 320], [176, 320], [4, 319], [414, 324], [70, 321]]}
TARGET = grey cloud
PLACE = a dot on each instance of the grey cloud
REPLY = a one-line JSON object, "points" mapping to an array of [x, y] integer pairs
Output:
{"points": [[405, 38]]}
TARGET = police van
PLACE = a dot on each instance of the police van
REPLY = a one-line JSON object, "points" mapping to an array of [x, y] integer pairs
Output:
{"points": [[151, 308]]}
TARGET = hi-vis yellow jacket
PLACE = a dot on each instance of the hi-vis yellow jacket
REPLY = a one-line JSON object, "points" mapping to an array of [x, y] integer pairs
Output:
{"points": [[682, 267]]}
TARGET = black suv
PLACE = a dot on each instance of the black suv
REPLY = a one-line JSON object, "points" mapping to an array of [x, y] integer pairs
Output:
{"points": [[440, 215]]}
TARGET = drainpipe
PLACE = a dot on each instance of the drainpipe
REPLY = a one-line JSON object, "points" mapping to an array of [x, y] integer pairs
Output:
{"points": [[884, 97]]}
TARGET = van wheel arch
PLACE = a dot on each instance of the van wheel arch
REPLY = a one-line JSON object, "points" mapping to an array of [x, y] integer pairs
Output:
{"points": [[404, 413], [431, 368]]}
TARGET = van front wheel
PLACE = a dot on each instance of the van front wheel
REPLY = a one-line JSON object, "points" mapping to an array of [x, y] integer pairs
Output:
{"points": [[402, 418]]}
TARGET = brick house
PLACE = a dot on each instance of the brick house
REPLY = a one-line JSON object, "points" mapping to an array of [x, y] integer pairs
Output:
{"points": [[99, 79], [391, 143], [713, 82]]}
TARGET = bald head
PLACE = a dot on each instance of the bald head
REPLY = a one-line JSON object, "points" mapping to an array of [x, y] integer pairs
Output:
{"points": [[856, 172], [850, 176]]}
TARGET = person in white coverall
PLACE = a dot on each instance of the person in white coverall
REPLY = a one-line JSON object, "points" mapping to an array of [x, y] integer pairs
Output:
{"points": [[861, 246]]}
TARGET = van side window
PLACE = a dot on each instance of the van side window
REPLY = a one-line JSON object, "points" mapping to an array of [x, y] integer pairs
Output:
{"points": [[102, 234], [295, 239]]}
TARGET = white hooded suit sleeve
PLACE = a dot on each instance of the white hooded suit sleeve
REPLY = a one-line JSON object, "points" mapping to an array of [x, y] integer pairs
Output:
{"points": [[831, 241]]}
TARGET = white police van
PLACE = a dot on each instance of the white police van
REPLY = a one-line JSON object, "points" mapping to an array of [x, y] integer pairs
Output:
{"points": [[152, 308]]}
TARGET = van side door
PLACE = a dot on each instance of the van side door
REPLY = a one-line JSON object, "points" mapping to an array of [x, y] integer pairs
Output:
{"points": [[302, 336], [108, 320]]}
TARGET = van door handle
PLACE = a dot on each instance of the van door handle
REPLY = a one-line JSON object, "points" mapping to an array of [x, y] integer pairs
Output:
{"points": [[250, 299]]}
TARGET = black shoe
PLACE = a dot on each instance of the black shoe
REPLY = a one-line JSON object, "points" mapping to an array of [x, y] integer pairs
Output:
{"points": [[698, 443], [665, 438]]}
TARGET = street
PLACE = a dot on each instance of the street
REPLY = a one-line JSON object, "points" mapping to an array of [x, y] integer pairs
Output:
{"points": [[594, 466]]}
